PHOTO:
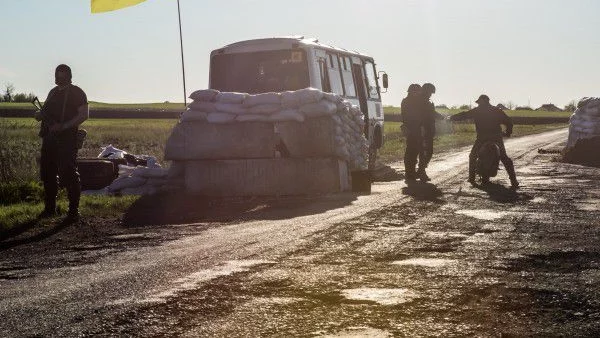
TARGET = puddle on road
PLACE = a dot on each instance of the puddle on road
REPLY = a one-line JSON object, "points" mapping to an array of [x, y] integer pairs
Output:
{"points": [[391, 228], [426, 262], [539, 200], [381, 296], [358, 332], [591, 204], [484, 214], [195, 279], [479, 238], [498, 227]]}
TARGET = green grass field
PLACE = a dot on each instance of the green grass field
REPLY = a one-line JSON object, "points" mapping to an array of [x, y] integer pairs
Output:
{"points": [[512, 113], [464, 135], [20, 144], [21, 192], [101, 105]]}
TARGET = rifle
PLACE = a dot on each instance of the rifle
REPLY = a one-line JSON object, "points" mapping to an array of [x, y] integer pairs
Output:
{"points": [[40, 116]]}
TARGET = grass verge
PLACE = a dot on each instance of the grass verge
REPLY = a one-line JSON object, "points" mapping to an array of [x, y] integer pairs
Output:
{"points": [[24, 214]]}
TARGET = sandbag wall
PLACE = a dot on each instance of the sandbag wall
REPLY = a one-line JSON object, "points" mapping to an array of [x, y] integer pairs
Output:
{"points": [[585, 122], [583, 144], [303, 125]]}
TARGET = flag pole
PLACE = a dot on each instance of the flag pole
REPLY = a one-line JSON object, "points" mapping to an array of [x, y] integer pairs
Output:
{"points": [[182, 63]]}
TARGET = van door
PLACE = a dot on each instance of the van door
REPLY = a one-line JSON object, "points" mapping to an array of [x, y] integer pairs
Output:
{"points": [[359, 81]]}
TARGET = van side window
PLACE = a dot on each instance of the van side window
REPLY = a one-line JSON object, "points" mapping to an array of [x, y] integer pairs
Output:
{"points": [[335, 79], [323, 69], [373, 88], [348, 78]]}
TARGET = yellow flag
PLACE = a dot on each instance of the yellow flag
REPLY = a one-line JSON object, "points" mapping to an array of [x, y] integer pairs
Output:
{"points": [[99, 6]]}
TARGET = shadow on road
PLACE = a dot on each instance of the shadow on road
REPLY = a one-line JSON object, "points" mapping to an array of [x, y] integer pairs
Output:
{"points": [[182, 208], [385, 173], [423, 192], [43, 233], [501, 194]]}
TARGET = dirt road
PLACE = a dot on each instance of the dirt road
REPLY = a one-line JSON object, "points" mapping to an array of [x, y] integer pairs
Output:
{"points": [[430, 259]]}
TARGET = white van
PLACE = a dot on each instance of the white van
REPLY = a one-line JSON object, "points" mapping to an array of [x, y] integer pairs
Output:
{"points": [[291, 63]]}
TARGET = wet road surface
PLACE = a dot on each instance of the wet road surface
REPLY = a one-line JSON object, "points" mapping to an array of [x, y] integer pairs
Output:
{"points": [[439, 259]]}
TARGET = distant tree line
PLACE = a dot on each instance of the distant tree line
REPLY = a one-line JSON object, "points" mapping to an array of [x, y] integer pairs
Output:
{"points": [[9, 95]]}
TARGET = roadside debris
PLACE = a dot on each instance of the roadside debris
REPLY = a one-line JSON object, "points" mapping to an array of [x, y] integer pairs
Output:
{"points": [[137, 174]]}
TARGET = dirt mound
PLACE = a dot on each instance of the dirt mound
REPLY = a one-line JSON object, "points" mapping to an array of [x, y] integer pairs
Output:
{"points": [[585, 152]]}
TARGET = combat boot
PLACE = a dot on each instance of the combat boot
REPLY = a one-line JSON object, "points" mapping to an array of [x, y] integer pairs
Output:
{"points": [[422, 175], [410, 175]]}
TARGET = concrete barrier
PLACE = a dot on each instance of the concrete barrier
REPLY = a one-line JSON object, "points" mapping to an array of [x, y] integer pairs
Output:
{"points": [[207, 141], [266, 177], [311, 138]]}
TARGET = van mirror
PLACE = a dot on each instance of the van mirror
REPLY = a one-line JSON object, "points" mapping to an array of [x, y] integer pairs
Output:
{"points": [[385, 80]]}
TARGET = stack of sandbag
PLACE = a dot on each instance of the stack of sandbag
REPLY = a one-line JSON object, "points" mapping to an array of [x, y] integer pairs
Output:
{"points": [[142, 175], [138, 180], [217, 107], [585, 122]]}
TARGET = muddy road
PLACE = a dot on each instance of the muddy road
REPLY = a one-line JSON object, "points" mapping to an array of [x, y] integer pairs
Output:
{"points": [[439, 259]]}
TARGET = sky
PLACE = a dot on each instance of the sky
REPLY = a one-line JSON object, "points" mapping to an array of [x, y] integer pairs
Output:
{"points": [[528, 52]]}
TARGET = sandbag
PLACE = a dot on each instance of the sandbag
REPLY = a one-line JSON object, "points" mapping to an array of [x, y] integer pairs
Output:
{"points": [[287, 115], [252, 118], [150, 172], [220, 118], [261, 99], [231, 108], [300, 97], [207, 107], [588, 102], [318, 109], [335, 98], [193, 115], [265, 109], [207, 95], [126, 182], [231, 97]]}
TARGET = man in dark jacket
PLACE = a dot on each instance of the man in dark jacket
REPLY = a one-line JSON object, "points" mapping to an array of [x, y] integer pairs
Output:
{"points": [[488, 120], [63, 111], [429, 116], [411, 116]]}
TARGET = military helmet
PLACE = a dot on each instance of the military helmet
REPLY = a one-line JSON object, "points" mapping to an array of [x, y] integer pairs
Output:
{"points": [[429, 88], [414, 88]]}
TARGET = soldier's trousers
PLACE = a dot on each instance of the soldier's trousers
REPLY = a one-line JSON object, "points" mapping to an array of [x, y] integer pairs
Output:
{"points": [[59, 161], [426, 151], [414, 147]]}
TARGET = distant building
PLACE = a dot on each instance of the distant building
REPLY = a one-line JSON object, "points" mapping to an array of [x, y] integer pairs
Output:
{"points": [[523, 108], [549, 107], [501, 106]]}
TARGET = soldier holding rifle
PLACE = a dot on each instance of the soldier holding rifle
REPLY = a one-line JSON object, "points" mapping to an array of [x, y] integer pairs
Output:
{"points": [[63, 111]]}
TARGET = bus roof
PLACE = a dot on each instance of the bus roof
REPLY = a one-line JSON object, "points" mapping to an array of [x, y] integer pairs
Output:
{"points": [[281, 43]]}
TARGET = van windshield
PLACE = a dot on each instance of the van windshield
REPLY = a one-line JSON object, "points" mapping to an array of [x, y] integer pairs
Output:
{"points": [[260, 72]]}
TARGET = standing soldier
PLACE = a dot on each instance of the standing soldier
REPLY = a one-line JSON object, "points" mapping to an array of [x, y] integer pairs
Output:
{"points": [[488, 121], [411, 116], [63, 111], [429, 117]]}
